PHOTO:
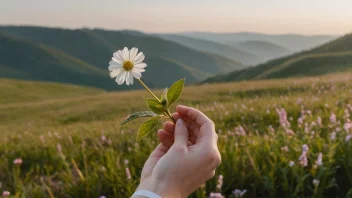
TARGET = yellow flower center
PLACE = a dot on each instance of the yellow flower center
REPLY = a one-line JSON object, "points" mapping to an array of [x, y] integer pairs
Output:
{"points": [[127, 65]]}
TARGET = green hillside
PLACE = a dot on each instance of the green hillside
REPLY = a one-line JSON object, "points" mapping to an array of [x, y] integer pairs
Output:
{"points": [[15, 91], [235, 54], [263, 49], [23, 59], [335, 56], [95, 48]]}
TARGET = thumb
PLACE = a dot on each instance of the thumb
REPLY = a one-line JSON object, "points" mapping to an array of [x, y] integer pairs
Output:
{"points": [[181, 133]]}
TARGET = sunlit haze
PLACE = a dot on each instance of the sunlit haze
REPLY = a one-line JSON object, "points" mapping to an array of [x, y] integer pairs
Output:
{"points": [[269, 16]]}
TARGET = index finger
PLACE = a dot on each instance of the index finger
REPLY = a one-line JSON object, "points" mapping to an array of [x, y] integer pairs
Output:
{"points": [[194, 115]]}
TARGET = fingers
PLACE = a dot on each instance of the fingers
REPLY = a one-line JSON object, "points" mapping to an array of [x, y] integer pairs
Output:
{"points": [[175, 115], [205, 131], [165, 138], [169, 128], [193, 114], [154, 157], [181, 133]]}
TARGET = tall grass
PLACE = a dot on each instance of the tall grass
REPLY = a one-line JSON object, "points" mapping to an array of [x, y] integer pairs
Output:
{"points": [[73, 147]]}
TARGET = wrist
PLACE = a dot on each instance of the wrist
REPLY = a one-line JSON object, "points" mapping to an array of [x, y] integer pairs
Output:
{"points": [[159, 188]]}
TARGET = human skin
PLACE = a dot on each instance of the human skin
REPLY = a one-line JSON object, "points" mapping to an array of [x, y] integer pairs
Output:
{"points": [[186, 157]]}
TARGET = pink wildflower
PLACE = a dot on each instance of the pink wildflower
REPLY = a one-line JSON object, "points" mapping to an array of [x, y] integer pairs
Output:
{"points": [[284, 149], [333, 118], [333, 136], [17, 161], [128, 173], [319, 161], [103, 138], [58, 148], [220, 181], [347, 126], [215, 195], [126, 161], [239, 193], [291, 163], [283, 117], [303, 160], [5, 194], [316, 182]]}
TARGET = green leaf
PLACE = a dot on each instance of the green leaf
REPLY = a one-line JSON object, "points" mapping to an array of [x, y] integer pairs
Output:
{"points": [[155, 106], [164, 100], [139, 115], [175, 91], [146, 127]]}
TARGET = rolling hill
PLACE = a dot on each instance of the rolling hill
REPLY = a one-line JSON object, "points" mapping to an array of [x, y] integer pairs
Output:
{"points": [[292, 42], [23, 59], [224, 50], [335, 56], [263, 49], [59, 51]]}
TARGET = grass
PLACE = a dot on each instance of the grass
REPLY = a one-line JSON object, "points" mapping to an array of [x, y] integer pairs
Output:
{"points": [[72, 146]]}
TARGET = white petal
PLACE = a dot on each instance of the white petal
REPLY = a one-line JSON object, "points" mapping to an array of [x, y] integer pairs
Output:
{"points": [[126, 53], [116, 61], [114, 73], [133, 53], [121, 55], [129, 78], [115, 67], [139, 58], [113, 63], [117, 58], [140, 65], [136, 74], [139, 70], [121, 77]]}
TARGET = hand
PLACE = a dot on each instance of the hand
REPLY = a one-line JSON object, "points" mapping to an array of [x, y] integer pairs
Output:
{"points": [[186, 157]]}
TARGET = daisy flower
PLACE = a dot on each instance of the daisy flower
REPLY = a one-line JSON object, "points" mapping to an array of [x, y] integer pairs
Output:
{"points": [[126, 65]]}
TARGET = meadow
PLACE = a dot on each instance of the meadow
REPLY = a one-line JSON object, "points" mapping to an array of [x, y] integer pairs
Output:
{"points": [[277, 138]]}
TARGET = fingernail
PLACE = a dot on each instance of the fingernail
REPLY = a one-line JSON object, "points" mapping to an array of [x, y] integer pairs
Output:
{"points": [[180, 122]]}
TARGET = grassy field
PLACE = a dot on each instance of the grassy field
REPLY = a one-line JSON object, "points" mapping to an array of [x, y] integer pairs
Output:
{"points": [[71, 145]]}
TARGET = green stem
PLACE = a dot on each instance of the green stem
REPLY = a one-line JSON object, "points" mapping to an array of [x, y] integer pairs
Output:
{"points": [[156, 98], [145, 86], [170, 116]]}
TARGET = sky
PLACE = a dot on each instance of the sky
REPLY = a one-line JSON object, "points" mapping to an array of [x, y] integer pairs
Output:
{"points": [[265, 16]]}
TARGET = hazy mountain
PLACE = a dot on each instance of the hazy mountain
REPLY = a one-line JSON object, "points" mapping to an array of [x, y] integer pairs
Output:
{"points": [[215, 48], [263, 49], [81, 57], [292, 42], [335, 56]]}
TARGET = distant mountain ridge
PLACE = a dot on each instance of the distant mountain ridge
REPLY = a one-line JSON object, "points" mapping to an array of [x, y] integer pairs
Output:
{"points": [[263, 49], [85, 48], [235, 54], [292, 42], [335, 56]]}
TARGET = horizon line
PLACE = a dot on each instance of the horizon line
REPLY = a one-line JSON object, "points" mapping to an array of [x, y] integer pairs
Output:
{"points": [[168, 32]]}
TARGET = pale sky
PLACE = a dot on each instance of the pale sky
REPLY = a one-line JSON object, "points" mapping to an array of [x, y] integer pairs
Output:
{"points": [[266, 16]]}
